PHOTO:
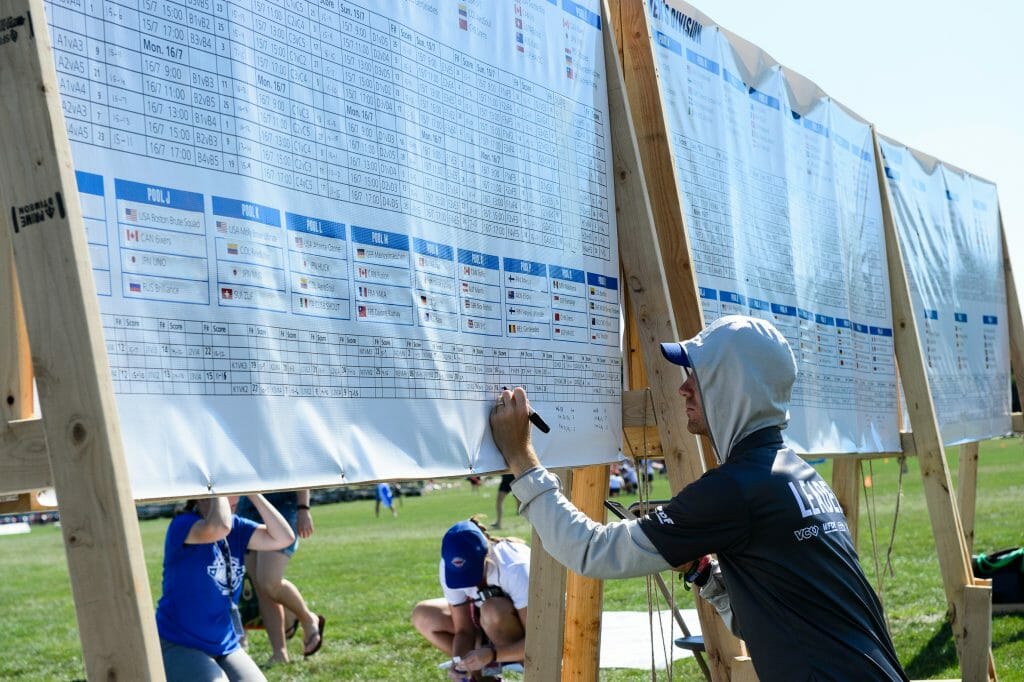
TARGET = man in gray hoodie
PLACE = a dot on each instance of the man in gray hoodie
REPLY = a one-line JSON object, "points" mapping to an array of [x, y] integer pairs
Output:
{"points": [[799, 598]]}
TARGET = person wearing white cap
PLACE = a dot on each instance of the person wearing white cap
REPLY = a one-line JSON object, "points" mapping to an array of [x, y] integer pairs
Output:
{"points": [[798, 595], [481, 620]]}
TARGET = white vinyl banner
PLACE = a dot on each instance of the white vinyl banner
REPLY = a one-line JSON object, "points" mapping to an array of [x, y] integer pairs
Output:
{"points": [[325, 233], [784, 222], [948, 225]]}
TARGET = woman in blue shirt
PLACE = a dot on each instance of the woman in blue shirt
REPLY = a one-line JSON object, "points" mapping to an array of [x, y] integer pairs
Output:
{"points": [[197, 616]]}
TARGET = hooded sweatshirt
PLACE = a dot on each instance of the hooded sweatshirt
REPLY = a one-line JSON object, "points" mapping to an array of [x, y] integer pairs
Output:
{"points": [[798, 594], [745, 373]]}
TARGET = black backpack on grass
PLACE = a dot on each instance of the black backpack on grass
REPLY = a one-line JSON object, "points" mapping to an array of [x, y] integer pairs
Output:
{"points": [[1005, 569]]}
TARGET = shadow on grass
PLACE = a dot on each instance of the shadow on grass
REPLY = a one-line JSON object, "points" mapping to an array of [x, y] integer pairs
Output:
{"points": [[1000, 636], [937, 655]]}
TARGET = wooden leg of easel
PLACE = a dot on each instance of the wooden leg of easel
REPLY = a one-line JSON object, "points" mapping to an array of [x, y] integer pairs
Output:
{"points": [[102, 544], [545, 617], [21, 468], [23, 464], [581, 651], [950, 548], [743, 670], [15, 358], [975, 662], [723, 650], [966, 490], [846, 485]]}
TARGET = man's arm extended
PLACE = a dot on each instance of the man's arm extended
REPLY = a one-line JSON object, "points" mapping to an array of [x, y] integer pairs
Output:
{"points": [[617, 550]]}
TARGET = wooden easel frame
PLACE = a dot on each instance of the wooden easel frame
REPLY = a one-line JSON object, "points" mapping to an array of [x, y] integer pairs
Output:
{"points": [[970, 601], [665, 308], [654, 294], [80, 433], [77, 447]]}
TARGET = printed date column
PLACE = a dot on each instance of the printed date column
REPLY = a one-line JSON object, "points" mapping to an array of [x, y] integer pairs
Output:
{"points": [[163, 43]]}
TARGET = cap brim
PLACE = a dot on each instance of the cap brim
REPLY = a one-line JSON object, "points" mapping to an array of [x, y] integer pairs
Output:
{"points": [[674, 353], [469, 575]]}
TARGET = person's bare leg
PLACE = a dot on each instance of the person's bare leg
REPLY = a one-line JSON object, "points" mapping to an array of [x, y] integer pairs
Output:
{"points": [[433, 619], [270, 582], [499, 620], [271, 611], [500, 507]]}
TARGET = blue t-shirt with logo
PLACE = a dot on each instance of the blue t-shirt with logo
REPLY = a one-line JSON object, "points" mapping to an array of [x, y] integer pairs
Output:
{"points": [[195, 609]]}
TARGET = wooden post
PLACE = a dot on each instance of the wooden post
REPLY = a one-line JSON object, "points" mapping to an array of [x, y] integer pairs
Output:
{"points": [[976, 662], [743, 670], [24, 466], [1013, 312], [967, 490], [15, 359], [846, 480], [545, 617], [39, 203], [665, 307], [581, 650], [954, 560]]}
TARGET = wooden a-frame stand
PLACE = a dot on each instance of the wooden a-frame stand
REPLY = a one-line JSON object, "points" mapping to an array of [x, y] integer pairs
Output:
{"points": [[77, 446], [665, 308], [660, 283], [79, 433]]}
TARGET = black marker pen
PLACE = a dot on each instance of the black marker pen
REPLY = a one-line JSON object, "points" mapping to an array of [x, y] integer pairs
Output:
{"points": [[535, 418], [539, 423]]}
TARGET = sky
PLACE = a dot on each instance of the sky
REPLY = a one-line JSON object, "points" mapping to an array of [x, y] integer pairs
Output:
{"points": [[940, 76]]}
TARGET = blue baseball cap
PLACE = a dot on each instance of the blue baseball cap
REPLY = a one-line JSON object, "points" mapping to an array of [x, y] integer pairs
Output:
{"points": [[464, 549], [676, 354]]}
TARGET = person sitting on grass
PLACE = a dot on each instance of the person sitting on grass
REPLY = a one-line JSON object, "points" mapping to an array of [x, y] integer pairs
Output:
{"points": [[197, 616], [482, 617]]}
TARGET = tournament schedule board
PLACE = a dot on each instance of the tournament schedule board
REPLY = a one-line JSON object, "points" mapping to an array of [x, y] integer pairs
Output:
{"points": [[949, 230], [781, 199], [325, 234]]}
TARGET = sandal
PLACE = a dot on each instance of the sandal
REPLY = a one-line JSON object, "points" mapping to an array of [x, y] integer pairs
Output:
{"points": [[308, 650], [291, 629]]}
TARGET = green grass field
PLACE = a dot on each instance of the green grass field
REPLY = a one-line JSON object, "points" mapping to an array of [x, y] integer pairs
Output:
{"points": [[365, 574]]}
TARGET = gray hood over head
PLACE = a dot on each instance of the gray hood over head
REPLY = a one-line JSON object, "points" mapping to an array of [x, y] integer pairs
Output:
{"points": [[745, 372]]}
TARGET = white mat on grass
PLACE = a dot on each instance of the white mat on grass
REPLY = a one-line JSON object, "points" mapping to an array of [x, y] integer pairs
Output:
{"points": [[626, 638]]}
